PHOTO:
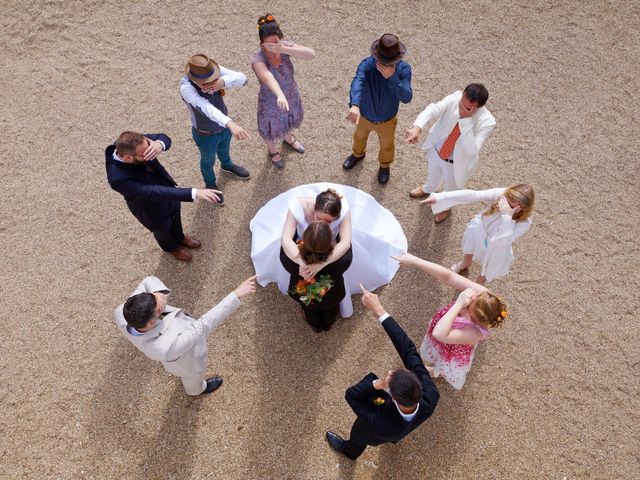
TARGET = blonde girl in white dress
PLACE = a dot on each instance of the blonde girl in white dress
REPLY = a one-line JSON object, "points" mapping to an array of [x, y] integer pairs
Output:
{"points": [[489, 235]]}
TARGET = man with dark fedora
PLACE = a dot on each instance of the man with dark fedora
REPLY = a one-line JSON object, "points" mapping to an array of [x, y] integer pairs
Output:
{"points": [[382, 81], [202, 89]]}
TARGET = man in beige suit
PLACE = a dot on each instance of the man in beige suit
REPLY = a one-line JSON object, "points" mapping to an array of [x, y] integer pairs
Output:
{"points": [[170, 335], [462, 125]]}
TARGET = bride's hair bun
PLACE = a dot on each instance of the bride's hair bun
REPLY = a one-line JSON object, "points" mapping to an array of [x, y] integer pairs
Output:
{"points": [[329, 202], [317, 243]]}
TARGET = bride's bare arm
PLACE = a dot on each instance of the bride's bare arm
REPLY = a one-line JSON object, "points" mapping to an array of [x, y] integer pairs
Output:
{"points": [[288, 245], [344, 244]]}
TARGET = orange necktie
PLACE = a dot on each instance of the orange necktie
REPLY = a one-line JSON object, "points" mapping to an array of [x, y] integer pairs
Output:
{"points": [[447, 147]]}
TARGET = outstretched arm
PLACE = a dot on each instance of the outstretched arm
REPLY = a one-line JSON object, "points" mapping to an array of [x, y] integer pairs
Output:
{"points": [[405, 348], [210, 320], [439, 272]]}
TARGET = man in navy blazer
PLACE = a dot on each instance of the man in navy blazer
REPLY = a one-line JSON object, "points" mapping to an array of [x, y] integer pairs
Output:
{"points": [[151, 194], [388, 409]]}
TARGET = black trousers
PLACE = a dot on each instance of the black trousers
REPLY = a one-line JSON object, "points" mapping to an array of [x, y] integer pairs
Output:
{"points": [[319, 317], [169, 234], [357, 443]]}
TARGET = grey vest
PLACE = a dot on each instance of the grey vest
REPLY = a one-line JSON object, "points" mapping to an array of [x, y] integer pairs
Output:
{"points": [[201, 120]]}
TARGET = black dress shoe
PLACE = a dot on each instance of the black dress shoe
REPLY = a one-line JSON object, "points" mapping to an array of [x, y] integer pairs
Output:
{"points": [[212, 384], [383, 175], [351, 162], [337, 443]]}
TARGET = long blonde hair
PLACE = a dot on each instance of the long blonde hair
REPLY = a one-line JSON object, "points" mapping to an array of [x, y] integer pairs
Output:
{"points": [[521, 194]]}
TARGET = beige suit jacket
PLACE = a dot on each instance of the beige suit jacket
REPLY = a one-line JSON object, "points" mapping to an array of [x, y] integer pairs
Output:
{"points": [[179, 341]]}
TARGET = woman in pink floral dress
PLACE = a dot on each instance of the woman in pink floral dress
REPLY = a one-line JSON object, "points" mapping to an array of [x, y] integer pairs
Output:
{"points": [[456, 329]]}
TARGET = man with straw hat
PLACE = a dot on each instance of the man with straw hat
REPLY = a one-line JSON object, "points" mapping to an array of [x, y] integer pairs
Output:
{"points": [[202, 89]]}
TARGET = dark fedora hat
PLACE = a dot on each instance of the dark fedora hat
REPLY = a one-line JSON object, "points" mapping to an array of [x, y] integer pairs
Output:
{"points": [[201, 68], [388, 49]]}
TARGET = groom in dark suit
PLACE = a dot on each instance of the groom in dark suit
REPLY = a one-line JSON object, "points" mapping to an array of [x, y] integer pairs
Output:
{"points": [[151, 194], [388, 409]]}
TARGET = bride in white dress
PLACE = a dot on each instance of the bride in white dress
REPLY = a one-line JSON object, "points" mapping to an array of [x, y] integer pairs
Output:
{"points": [[363, 224]]}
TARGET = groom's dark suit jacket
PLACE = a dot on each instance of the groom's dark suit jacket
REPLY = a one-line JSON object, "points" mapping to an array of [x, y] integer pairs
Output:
{"points": [[377, 424], [149, 190]]}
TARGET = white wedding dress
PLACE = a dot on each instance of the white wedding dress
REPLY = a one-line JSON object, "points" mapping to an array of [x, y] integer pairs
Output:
{"points": [[376, 235]]}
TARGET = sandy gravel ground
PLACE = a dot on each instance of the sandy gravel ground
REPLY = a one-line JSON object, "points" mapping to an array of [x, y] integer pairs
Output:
{"points": [[554, 394]]}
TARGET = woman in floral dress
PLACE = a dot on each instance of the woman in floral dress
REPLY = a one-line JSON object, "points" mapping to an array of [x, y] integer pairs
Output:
{"points": [[279, 103]]}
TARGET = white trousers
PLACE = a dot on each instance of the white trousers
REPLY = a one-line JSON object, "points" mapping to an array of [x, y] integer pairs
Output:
{"points": [[437, 171], [194, 384]]}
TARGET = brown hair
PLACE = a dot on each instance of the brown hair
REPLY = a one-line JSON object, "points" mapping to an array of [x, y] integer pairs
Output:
{"points": [[127, 143], [329, 202], [523, 195], [268, 26], [488, 310], [317, 243]]}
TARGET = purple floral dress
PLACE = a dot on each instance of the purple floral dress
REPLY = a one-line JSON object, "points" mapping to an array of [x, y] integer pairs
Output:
{"points": [[273, 123]]}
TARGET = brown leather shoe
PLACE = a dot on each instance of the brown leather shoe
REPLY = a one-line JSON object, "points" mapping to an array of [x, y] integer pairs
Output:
{"points": [[418, 192], [182, 255], [190, 242], [442, 216]]}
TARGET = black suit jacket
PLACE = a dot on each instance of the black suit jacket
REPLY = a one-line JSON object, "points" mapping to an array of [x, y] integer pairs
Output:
{"points": [[150, 192], [336, 270], [383, 423]]}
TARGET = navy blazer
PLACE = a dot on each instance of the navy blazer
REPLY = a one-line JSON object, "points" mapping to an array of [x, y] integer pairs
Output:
{"points": [[383, 423], [150, 192]]}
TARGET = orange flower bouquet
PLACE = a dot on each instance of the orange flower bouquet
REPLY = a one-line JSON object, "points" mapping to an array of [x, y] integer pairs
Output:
{"points": [[313, 290]]}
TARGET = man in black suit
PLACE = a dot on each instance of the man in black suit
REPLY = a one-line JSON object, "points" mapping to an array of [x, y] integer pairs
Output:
{"points": [[388, 409], [151, 194]]}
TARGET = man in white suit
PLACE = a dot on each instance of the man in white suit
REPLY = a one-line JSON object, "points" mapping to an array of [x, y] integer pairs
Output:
{"points": [[170, 335], [462, 125]]}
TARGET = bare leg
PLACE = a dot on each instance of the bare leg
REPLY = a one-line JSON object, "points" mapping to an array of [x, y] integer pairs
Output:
{"points": [[481, 279], [464, 264], [274, 152], [293, 142], [431, 371]]}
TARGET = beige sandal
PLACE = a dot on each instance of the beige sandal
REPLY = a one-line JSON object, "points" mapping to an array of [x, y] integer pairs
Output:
{"points": [[459, 267]]}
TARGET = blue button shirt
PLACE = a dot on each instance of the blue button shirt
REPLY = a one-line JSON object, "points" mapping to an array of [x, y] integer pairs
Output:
{"points": [[377, 97]]}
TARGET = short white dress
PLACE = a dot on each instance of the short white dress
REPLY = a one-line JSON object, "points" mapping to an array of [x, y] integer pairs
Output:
{"points": [[376, 235], [489, 238]]}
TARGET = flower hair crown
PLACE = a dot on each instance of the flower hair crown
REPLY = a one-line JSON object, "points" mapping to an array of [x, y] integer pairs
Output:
{"points": [[268, 18], [503, 311]]}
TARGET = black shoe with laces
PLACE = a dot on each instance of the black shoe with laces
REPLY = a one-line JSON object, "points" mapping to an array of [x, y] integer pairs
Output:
{"points": [[212, 384], [383, 175], [237, 170], [351, 162]]}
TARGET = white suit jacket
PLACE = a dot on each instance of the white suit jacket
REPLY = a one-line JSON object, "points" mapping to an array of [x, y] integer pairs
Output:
{"points": [[179, 341], [474, 131]]}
